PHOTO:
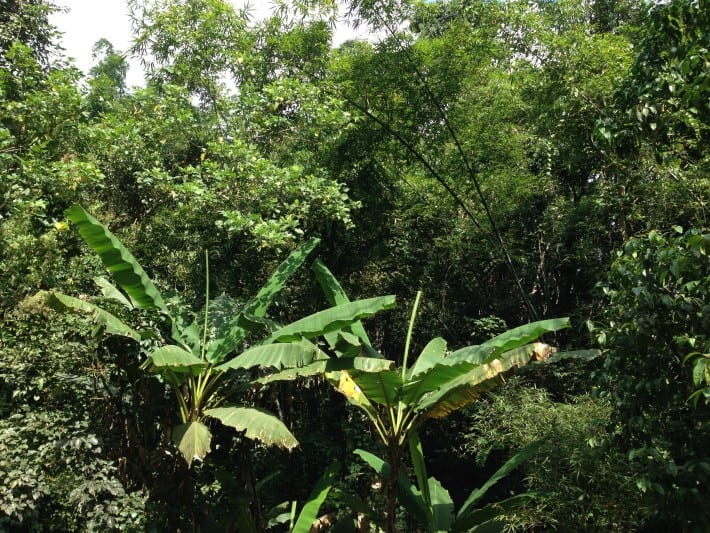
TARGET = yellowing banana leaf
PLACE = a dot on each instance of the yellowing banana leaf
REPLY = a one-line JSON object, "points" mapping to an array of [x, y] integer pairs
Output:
{"points": [[455, 391], [519, 336], [352, 391], [257, 425], [380, 387]]}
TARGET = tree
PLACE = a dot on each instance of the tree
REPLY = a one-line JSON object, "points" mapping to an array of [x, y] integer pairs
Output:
{"points": [[27, 22], [107, 78], [656, 315]]}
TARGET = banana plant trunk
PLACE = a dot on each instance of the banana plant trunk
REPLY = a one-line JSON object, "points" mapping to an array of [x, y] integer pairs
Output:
{"points": [[391, 490]]}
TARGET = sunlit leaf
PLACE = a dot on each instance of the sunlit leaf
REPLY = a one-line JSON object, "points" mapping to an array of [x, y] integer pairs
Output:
{"points": [[193, 440], [176, 360], [278, 356], [332, 319], [257, 424], [125, 269], [103, 319]]}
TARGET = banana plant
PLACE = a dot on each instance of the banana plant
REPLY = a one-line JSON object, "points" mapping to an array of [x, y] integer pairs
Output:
{"points": [[199, 360], [399, 401], [432, 505]]}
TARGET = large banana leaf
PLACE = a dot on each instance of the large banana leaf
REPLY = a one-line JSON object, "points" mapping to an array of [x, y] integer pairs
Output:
{"points": [[380, 387], [329, 368], [103, 319], [128, 273], [332, 319], [111, 292], [176, 360], [434, 378], [232, 332], [432, 354], [416, 453], [193, 440], [513, 338], [446, 391], [442, 506], [335, 295], [257, 425], [278, 356], [125, 269], [320, 491]]}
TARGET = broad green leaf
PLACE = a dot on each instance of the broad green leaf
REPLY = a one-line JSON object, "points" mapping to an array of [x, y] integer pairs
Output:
{"points": [[442, 506], [257, 424], [450, 392], [504, 342], [233, 332], [320, 491], [489, 517], [328, 367], [258, 305], [417, 454], [278, 356], [432, 354], [177, 360], [111, 292], [409, 496], [380, 387], [193, 440], [332, 319], [103, 319], [125, 269], [434, 378], [335, 295], [511, 464]]}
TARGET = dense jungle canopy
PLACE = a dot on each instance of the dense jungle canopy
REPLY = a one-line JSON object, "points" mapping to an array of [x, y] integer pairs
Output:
{"points": [[495, 166]]}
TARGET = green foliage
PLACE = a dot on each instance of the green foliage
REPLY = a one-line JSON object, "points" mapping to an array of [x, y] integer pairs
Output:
{"points": [[107, 78], [186, 364], [399, 401], [657, 314], [579, 479], [58, 473], [478, 147], [27, 22]]}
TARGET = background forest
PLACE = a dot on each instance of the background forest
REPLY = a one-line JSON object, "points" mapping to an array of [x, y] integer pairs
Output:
{"points": [[514, 161]]}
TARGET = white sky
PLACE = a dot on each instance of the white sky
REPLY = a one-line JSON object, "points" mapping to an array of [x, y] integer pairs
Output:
{"points": [[87, 21]]}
